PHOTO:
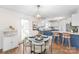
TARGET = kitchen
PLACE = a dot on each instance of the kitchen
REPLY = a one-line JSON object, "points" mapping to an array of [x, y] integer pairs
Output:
{"points": [[39, 20]]}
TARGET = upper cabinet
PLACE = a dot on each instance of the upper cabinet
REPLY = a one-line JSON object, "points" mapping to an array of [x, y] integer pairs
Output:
{"points": [[75, 19]]}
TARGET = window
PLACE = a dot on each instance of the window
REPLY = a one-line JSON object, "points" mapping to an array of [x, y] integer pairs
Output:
{"points": [[24, 28]]}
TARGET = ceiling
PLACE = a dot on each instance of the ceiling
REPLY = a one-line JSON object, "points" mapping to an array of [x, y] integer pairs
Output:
{"points": [[45, 10]]}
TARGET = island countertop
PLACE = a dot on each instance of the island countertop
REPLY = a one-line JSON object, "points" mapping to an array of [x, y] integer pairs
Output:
{"points": [[66, 32]]}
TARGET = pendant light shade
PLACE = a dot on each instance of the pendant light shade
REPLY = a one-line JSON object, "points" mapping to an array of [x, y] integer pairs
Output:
{"points": [[38, 13]]}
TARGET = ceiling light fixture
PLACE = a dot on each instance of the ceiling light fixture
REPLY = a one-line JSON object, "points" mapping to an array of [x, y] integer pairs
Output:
{"points": [[38, 12]]}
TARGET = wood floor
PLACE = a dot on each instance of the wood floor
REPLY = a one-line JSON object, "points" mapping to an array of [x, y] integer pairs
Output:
{"points": [[56, 49]]}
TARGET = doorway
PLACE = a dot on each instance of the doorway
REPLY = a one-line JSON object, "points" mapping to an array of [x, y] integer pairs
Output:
{"points": [[24, 28]]}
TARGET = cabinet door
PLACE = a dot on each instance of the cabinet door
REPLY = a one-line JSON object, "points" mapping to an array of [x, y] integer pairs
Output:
{"points": [[75, 20], [7, 43], [14, 41], [10, 42]]}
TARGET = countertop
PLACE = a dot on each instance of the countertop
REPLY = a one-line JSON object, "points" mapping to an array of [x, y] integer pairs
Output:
{"points": [[67, 32]]}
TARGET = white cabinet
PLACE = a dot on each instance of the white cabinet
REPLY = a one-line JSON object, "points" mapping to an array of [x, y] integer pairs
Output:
{"points": [[10, 42], [75, 19], [14, 42], [6, 43]]}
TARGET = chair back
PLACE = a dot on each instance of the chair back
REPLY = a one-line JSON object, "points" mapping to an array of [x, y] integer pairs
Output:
{"points": [[66, 35], [56, 33]]}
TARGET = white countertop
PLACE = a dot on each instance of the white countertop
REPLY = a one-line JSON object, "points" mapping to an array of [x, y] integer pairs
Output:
{"points": [[74, 33], [67, 32]]}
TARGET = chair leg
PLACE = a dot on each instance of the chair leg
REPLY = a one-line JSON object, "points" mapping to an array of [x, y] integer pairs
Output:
{"points": [[53, 41], [58, 41], [23, 48], [62, 42], [69, 43], [51, 45]]}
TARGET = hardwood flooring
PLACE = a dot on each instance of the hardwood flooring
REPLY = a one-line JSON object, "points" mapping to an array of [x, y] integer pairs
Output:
{"points": [[56, 49]]}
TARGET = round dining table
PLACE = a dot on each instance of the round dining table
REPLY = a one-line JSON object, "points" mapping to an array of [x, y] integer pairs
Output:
{"points": [[34, 41]]}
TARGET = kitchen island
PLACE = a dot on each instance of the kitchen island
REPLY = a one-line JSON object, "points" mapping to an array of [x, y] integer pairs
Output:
{"points": [[74, 38]]}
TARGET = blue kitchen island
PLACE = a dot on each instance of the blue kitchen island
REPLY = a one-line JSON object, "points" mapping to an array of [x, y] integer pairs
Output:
{"points": [[74, 38]]}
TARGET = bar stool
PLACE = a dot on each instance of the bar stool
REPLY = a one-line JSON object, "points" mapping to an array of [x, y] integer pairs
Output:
{"points": [[66, 36], [57, 34]]}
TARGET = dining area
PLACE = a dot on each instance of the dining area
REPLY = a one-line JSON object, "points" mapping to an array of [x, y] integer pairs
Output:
{"points": [[39, 44], [56, 43]]}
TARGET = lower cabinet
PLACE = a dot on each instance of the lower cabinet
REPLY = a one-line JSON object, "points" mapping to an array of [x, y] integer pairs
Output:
{"points": [[10, 42]]}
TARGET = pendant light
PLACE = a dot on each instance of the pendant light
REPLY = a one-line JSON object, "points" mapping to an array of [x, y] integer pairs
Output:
{"points": [[38, 12]]}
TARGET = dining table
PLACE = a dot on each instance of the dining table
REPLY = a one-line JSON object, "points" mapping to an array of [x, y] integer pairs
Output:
{"points": [[34, 40]]}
